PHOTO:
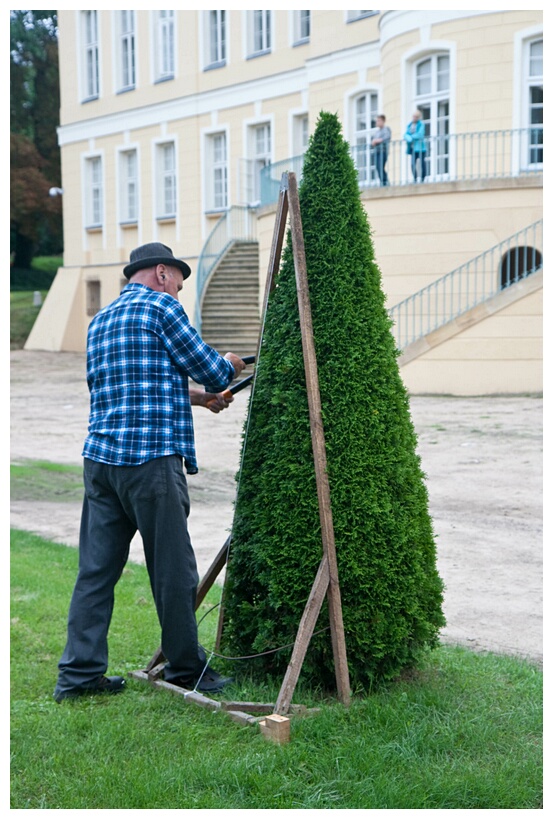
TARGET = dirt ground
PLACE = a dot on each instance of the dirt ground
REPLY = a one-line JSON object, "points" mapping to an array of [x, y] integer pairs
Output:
{"points": [[482, 458]]}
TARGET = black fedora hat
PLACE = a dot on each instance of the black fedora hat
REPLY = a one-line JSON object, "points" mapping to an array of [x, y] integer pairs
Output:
{"points": [[151, 254]]}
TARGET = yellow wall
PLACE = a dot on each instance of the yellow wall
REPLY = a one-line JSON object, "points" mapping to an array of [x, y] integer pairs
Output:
{"points": [[420, 232], [500, 353]]}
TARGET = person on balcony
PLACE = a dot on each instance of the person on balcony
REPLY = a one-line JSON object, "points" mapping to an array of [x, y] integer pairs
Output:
{"points": [[380, 143], [416, 145]]}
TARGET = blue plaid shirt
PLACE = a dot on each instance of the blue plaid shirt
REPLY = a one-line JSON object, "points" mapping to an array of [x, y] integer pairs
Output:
{"points": [[141, 351]]}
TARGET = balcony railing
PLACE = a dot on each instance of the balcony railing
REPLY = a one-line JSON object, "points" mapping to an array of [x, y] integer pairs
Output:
{"points": [[502, 266], [448, 157], [235, 225]]}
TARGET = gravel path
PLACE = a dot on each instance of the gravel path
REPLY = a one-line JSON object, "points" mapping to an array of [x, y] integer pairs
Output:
{"points": [[482, 458]]}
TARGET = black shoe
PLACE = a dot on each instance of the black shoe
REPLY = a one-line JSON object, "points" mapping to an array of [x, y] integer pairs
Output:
{"points": [[209, 682], [103, 685]]}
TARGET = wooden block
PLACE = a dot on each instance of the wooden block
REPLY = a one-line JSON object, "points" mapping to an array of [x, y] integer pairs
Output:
{"points": [[156, 672], [276, 728]]}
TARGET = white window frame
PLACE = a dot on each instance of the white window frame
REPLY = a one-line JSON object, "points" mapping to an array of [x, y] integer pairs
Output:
{"points": [[353, 16], [214, 38], [129, 186], [164, 45], [299, 133], [90, 55], [360, 139], [93, 175], [125, 49], [409, 60], [531, 80], [437, 123], [166, 179], [260, 33], [259, 148], [301, 27], [216, 170]]}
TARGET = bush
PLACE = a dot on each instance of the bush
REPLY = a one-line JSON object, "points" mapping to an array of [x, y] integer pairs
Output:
{"points": [[38, 277], [391, 590]]}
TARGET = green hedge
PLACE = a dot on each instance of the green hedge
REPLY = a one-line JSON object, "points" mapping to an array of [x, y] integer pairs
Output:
{"points": [[30, 279], [391, 590]]}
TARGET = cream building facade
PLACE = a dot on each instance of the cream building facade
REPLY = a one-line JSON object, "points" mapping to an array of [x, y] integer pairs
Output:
{"points": [[177, 125]]}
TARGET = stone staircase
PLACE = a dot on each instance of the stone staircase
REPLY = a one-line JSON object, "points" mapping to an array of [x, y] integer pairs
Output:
{"points": [[230, 309]]}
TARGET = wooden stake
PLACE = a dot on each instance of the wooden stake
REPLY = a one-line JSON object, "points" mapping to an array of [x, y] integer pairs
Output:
{"points": [[303, 637], [318, 443]]}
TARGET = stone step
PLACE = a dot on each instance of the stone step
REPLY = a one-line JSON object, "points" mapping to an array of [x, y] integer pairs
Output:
{"points": [[230, 310]]}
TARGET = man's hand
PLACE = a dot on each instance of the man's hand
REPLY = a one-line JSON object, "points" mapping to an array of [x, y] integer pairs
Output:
{"points": [[211, 400], [236, 362]]}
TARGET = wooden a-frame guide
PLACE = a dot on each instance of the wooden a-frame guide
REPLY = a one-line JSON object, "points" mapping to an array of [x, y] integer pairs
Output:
{"points": [[326, 581]]}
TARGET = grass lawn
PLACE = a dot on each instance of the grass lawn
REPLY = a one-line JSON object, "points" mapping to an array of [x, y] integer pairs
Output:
{"points": [[22, 316], [23, 283], [463, 731]]}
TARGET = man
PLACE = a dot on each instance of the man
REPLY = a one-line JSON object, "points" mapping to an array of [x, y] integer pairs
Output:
{"points": [[141, 351], [381, 143]]}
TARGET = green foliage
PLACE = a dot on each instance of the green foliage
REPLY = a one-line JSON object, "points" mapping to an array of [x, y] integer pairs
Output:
{"points": [[23, 283], [37, 277], [464, 731], [391, 591], [23, 315], [35, 217]]}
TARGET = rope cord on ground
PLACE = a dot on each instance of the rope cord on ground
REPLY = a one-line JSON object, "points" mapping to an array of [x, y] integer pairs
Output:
{"points": [[251, 656]]}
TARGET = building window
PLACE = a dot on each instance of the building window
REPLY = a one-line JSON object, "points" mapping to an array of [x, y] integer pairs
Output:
{"points": [[365, 111], [91, 54], [164, 45], [129, 186], [359, 15], [535, 103], [217, 172], [259, 33], [166, 181], [126, 50], [260, 153], [93, 296], [432, 84], [300, 134], [519, 263], [216, 45], [302, 27], [94, 192]]}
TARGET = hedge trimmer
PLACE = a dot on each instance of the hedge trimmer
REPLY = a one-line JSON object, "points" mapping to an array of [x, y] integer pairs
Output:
{"points": [[240, 385]]}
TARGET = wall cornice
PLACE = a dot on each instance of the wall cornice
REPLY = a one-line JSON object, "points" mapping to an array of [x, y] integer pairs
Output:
{"points": [[315, 70]]}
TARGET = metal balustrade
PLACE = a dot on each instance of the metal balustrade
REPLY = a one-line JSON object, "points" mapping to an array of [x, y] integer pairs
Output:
{"points": [[238, 224], [489, 273], [448, 158]]}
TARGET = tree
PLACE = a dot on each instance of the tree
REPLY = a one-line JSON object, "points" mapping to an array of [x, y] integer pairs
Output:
{"points": [[34, 111], [32, 211], [390, 587]]}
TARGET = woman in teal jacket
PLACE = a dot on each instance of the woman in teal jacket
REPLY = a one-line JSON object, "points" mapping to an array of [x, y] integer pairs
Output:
{"points": [[416, 145]]}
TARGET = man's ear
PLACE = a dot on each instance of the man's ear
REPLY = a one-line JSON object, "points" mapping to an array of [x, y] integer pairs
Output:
{"points": [[160, 273]]}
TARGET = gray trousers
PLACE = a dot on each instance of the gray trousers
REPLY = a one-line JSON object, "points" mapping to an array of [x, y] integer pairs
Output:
{"points": [[119, 500]]}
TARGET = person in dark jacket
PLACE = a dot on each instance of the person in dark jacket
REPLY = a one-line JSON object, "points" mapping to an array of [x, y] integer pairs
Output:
{"points": [[380, 143]]}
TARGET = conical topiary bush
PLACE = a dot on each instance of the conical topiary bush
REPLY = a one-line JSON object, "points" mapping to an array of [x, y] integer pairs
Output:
{"points": [[391, 591]]}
